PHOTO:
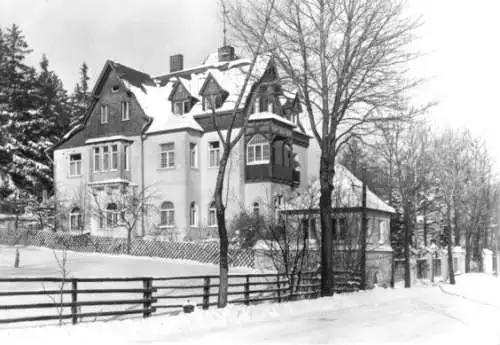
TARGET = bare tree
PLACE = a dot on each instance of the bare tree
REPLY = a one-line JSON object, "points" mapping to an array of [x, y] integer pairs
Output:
{"points": [[121, 208], [347, 60], [229, 140]]}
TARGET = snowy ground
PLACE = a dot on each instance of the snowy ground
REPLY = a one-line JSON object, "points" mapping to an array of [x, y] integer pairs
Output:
{"points": [[467, 313], [43, 262], [421, 315]]}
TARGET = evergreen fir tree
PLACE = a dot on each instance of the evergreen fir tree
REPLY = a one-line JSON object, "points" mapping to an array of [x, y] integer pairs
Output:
{"points": [[80, 100], [23, 128]]}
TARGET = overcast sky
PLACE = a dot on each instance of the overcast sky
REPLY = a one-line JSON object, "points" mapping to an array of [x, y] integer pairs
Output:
{"points": [[460, 39]]}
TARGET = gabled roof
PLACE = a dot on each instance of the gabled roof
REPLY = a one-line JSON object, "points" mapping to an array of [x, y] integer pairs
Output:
{"points": [[347, 193], [153, 94]]}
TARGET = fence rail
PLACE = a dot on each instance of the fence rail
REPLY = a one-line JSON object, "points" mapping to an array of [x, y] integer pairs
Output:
{"points": [[147, 295]]}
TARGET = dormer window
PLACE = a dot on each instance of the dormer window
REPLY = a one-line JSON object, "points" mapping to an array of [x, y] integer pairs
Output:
{"points": [[115, 88], [212, 100], [181, 99], [182, 107], [213, 94]]}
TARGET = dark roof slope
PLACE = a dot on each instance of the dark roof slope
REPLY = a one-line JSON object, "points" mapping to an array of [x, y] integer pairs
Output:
{"points": [[133, 76]]}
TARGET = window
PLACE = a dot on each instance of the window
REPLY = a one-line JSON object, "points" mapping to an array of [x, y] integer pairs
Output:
{"points": [[382, 231], [182, 107], [193, 155], [75, 219], [167, 155], [125, 157], [312, 233], [125, 111], [75, 164], [97, 159], [115, 88], [210, 100], [193, 214], [266, 104], [167, 214], [212, 219], [101, 220], [112, 215], [214, 154], [114, 157], [104, 114], [255, 209], [339, 229], [258, 150], [105, 158]]}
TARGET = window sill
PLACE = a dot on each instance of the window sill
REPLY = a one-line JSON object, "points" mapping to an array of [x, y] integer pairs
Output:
{"points": [[166, 226], [166, 169], [123, 120], [258, 162], [74, 176], [105, 171]]}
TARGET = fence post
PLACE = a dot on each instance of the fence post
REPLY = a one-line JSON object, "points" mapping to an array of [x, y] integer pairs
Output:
{"points": [[147, 284], [74, 299], [393, 273], [206, 292], [247, 290], [279, 287]]}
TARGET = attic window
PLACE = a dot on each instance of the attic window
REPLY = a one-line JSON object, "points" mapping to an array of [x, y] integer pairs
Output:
{"points": [[210, 100], [182, 107], [115, 88]]}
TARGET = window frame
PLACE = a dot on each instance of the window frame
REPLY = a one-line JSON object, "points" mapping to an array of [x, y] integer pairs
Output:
{"points": [[193, 214], [184, 107], [114, 157], [261, 147], [167, 214], [97, 159], [126, 152], [212, 215], [193, 155], [104, 114], [125, 110], [167, 155], [214, 163], [75, 216], [256, 209], [111, 215], [75, 165]]}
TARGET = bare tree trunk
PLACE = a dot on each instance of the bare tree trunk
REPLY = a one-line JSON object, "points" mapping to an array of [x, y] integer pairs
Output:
{"points": [[451, 273], [325, 209], [468, 251], [407, 224], [221, 225], [129, 240], [456, 222], [363, 237]]}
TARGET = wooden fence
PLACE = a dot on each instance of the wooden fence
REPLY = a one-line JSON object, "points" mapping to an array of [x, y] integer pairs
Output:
{"points": [[66, 298]]}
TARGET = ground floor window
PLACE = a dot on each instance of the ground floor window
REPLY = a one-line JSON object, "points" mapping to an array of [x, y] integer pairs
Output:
{"points": [[75, 219], [112, 215]]}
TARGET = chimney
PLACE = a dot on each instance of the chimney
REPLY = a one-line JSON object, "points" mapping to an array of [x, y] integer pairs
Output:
{"points": [[176, 63], [226, 53]]}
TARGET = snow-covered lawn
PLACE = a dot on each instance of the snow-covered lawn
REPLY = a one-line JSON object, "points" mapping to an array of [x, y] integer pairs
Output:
{"points": [[43, 262], [420, 315]]}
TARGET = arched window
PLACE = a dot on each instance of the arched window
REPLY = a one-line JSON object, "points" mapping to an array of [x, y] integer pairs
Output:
{"points": [[193, 214], [212, 219], [256, 209], [75, 219], [167, 214], [112, 215], [258, 150]]}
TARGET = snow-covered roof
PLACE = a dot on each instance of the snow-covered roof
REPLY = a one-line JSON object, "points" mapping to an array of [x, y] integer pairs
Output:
{"points": [[270, 116], [104, 139], [347, 193]]}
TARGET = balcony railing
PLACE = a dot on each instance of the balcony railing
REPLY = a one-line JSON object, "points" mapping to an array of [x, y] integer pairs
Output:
{"points": [[272, 173]]}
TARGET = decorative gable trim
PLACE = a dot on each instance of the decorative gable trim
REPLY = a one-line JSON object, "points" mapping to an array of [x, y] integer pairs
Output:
{"points": [[209, 81]]}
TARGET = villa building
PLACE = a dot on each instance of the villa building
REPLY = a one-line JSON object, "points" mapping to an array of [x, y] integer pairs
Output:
{"points": [[160, 135]]}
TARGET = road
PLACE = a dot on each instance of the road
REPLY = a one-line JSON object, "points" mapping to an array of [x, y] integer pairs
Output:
{"points": [[419, 316]]}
